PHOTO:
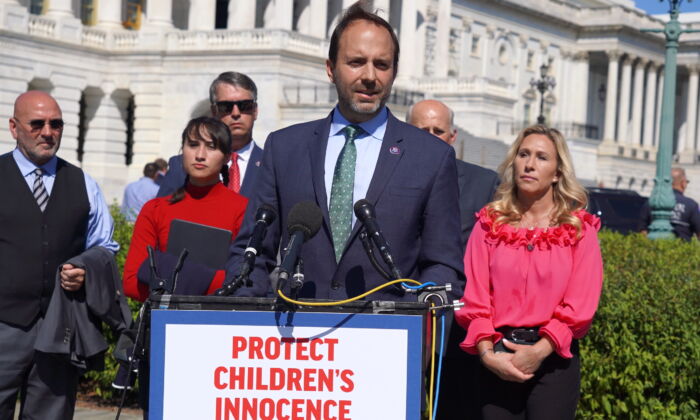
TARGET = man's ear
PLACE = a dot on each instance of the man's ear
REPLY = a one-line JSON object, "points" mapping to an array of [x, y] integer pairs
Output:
{"points": [[453, 137], [329, 70], [13, 128]]}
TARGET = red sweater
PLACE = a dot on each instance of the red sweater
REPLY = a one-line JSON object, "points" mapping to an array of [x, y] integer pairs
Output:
{"points": [[213, 205]]}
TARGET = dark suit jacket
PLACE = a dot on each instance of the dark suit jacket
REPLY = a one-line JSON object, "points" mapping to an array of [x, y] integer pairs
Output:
{"points": [[476, 188], [414, 191], [175, 176]]}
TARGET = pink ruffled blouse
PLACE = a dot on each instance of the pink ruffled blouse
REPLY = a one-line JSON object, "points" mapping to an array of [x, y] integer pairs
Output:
{"points": [[520, 277]]}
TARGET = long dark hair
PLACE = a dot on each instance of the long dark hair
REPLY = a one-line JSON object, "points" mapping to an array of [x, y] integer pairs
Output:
{"points": [[221, 138]]}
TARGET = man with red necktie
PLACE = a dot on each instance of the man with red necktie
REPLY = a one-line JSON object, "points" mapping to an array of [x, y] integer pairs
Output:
{"points": [[233, 98]]}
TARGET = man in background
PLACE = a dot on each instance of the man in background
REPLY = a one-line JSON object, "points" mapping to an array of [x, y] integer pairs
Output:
{"points": [[476, 188], [476, 184], [685, 217], [137, 193], [52, 211], [233, 97]]}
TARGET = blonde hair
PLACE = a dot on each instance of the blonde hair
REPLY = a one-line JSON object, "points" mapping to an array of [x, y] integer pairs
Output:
{"points": [[568, 194]]}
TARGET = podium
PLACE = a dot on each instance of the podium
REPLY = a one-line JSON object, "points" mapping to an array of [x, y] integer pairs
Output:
{"points": [[232, 358]]}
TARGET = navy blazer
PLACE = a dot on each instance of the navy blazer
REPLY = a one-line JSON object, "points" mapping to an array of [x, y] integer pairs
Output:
{"points": [[476, 188], [175, 176], [415, 194]]}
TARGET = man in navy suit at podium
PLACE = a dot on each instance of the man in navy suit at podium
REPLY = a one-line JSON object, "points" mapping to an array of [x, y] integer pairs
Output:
{"points": [[233, 97], [359, 151]]}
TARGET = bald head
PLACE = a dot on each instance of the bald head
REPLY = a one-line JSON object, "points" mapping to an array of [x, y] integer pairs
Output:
{"points": [[37, 125], [679, 180], [434, 117]]}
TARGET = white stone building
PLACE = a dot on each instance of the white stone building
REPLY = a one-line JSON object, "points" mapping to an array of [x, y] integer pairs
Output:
{"points": [[127, 93]]}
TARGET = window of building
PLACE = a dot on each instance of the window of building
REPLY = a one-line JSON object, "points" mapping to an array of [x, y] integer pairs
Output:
{"points": [[503, 54], [130, 118], [221, 14], [530, 60], [87, 12], [133, 10], [82, 126], [37, 7], [475, 45]]}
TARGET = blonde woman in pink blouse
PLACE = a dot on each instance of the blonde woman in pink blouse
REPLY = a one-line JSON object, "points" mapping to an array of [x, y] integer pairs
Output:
{"points": [[534, 276]]}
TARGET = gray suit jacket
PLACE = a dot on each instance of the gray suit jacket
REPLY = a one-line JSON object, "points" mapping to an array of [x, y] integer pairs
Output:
{"points": [[476, 188], [72, 326]]}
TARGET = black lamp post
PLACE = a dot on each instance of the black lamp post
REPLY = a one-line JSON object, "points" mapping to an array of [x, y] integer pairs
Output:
{"points": [[543, 84]]}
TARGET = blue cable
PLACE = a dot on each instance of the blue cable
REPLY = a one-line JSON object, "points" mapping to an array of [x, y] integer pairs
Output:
{"points": [[439, 371], [418, 287]]}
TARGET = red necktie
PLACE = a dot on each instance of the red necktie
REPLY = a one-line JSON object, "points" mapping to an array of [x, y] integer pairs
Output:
{"points": [[234, 174]]}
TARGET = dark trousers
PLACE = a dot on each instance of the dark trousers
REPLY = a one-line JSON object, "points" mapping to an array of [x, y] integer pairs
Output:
{"points": [[552, 393], [46, 385]]}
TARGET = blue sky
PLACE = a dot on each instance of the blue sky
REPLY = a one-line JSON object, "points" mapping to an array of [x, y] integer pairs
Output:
{"points": [[655, 6]]}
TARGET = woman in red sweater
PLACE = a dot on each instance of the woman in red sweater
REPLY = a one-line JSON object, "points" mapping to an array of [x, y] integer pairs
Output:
{"points": [[204, 199]]}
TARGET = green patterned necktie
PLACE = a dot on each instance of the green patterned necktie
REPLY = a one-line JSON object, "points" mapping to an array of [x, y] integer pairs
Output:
{"points": [[340, 211]]}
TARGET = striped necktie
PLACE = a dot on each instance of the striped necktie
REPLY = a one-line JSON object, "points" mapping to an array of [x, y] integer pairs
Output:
{"points": [[40, 194], [234, 174], [340, 210]]}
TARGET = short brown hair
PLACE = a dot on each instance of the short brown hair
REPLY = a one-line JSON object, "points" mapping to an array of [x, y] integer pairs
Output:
{"points": [[358, 11]]}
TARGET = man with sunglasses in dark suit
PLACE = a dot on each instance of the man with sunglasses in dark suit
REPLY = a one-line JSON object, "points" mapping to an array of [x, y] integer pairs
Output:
{"points": [[233, 98], [52, 212]]}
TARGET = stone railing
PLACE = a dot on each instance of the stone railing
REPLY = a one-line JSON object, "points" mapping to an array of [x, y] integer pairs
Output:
{"points": [[41, 26], [325, 93], [474, 84], [246, 40]]}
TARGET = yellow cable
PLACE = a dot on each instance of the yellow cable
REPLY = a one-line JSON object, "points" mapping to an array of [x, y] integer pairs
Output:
{"points": [[342, 302], [432, 367]]}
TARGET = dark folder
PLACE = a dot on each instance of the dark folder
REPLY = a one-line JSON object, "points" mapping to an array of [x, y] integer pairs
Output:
{"points": [[206, 245]]}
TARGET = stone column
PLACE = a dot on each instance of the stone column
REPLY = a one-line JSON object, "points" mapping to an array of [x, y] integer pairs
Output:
{"points": [[687, 150], [14, 83], [649, 106], [407, 39], [67, 90], [60, 8], [318, 16], [638, 100], [442, 40], [109, 14], [105, 144], [580, 98], [624, 115], [279, 14], [241, 14], [202, 15], [611, 96], [159, 13], [658, 107]]}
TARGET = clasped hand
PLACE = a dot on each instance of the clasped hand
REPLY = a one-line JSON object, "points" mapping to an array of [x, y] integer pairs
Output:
{"points": [[521, 365]]}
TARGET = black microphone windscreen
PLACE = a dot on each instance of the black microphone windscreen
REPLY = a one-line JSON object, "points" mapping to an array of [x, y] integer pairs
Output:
{"points": [[306, 217], [266, 213], [363, 210]]}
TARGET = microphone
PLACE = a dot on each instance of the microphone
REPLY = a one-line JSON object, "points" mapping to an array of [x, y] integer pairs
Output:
{"points": [[303, 221], [264, 217], [364, 210]]}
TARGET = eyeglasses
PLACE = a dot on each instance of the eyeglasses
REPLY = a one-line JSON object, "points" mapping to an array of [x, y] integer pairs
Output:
{"points": [[55, 124], [244, 106]]}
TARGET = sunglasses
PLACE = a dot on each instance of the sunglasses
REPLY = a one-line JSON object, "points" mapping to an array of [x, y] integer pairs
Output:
{"points": [[244, 106], [37, 125]]}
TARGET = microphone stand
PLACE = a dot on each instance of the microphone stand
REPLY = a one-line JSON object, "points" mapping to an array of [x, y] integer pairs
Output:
{"points": [[367, 245], [297, 279]]}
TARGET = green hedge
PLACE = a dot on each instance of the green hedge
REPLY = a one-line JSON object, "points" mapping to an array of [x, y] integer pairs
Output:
{"points": [[99, 384], [641, 359]]}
